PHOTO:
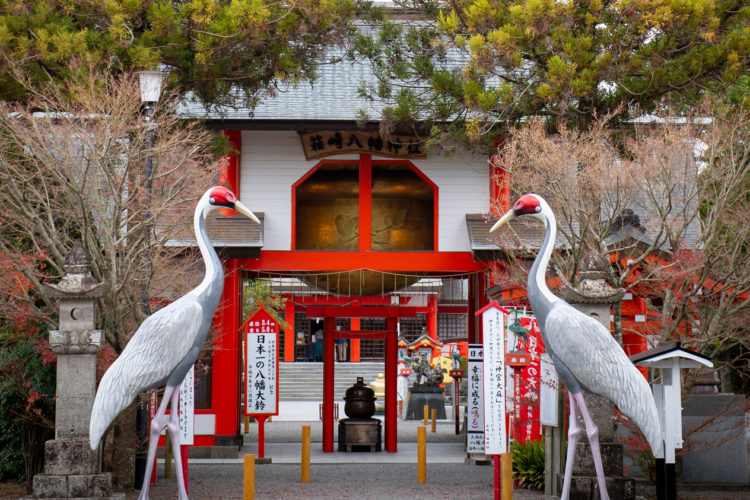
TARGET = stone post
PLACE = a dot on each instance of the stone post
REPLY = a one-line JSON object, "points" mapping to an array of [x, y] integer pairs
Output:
{"points": [[71, 468], [594, 296]]}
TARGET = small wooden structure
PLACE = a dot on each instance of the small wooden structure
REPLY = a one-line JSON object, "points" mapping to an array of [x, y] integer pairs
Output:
{"points": [[669, 359]]}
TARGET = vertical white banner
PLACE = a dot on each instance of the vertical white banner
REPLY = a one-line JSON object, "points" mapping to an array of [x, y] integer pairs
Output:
{"points": [[548, 392], [493, 324], [187, 407], [474, 400]]}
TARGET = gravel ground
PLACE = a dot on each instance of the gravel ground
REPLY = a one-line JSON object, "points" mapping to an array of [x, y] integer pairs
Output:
{"points": [[361, 481]]}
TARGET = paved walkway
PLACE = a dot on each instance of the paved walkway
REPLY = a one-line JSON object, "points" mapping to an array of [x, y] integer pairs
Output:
{"points": [[364, 475]]}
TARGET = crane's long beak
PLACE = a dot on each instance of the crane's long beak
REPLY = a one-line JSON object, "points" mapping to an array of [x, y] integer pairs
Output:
{"points": [[245, 211], [509, 215]]}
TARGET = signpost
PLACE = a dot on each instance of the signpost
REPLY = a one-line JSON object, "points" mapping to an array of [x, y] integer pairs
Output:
{"points": [[261, 370], [186, 415], [475, 400], [495, 432]]}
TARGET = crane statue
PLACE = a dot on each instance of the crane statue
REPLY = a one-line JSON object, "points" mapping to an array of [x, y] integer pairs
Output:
{"points": [[584, 353], [165, 346]]}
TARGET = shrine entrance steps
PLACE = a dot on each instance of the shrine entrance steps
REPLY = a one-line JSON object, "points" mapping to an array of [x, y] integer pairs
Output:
{"points": [[303, 381]]}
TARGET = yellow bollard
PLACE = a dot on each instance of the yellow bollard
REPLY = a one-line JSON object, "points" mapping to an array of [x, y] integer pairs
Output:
{"points": [[247, 424], [426, 414], [506, 476], [248, 486], [421, 454], [305, 476], [434, 418]]}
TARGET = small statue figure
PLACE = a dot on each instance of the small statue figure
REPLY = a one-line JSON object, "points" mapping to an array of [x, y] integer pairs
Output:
{"points": [[428, 377]]}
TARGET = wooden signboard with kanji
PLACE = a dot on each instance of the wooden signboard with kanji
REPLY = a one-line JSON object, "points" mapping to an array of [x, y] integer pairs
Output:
{"points": [[321, 144]]}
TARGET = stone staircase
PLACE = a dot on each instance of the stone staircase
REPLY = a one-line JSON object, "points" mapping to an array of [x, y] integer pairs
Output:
{"points": [[302, 381]]}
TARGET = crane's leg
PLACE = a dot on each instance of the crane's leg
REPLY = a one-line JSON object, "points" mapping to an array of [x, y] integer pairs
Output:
{"points": [[592, 431], [574, 430], [173, 427], [157, 424]]}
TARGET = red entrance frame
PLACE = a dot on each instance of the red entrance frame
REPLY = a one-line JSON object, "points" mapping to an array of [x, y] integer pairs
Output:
{"points": [[390, 335]]}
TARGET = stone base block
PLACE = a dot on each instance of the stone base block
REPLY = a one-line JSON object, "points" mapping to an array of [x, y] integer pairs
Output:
{"points": [[77, 486], [69, 456], [206, 452], [583, 464], [587, 487], [417, 400]]}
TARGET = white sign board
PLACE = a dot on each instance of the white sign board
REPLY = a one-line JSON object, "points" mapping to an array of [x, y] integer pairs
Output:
{"points": [[495, 432], [187, 407], [475, 405], [548, 392], [261, 385]]}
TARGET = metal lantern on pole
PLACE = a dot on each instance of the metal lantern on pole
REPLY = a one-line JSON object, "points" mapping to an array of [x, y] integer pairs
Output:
{"points": [[151, 84]]}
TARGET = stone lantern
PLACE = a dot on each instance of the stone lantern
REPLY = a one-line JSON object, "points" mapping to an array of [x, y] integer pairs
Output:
{"points": [[71, 468], [594, 297]]}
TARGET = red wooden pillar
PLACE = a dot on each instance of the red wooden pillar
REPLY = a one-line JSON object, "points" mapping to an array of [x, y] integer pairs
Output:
{"points": [[365, 202], [473, 338], [229, 171], [289, 332], [226, 360], [499, 182], [432, 310], [354, 343], [328, 382], [391, 403]]}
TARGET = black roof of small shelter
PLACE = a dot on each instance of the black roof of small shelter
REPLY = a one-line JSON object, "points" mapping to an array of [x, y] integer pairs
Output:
{"points": [[670, 350]]}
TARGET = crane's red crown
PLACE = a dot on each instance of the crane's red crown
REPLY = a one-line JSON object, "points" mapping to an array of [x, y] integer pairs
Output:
{"points": [[222, 197], [527, 204]]}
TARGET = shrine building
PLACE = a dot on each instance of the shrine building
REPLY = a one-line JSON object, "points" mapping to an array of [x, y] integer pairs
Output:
{"points": [[370, 238]]}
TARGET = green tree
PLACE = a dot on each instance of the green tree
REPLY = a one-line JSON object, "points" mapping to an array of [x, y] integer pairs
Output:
{"points": [[209, 46], [465, 65], [258, 291]]}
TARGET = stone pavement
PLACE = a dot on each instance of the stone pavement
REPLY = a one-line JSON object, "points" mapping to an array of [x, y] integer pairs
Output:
{"points": [[364, 475]]}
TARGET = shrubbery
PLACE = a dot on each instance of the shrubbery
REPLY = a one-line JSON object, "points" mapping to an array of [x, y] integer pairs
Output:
{"points": [[27, 395]]}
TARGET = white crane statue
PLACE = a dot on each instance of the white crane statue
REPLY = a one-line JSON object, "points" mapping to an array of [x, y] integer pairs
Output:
{"points": [[165, 346], [584, 353]]}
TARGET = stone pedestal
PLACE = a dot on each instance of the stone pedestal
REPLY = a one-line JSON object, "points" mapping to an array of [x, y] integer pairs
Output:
{"points": [[584, 485], [71, 468], [417, 400]]}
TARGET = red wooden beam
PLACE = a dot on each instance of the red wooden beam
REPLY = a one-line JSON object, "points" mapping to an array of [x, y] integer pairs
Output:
{"points": [[361, 312], [411, 262]]}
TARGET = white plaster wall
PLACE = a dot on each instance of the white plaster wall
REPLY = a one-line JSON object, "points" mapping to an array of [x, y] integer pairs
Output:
{"points": [[273, 160]]}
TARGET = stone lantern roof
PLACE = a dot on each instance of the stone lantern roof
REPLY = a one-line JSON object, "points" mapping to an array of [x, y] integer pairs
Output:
{"points": [[77, 282], [593, 288]]}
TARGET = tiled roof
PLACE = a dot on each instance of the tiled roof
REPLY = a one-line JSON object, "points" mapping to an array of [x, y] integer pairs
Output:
{"points": [[332, 96], [522, 235], [238, 235]]}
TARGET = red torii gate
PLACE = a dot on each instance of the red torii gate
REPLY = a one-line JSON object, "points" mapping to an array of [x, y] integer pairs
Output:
{"points": [[390, 335]]}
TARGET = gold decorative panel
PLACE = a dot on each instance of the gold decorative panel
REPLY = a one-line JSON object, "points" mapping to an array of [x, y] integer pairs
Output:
{"points": [[327, 212], [402, 209]]}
